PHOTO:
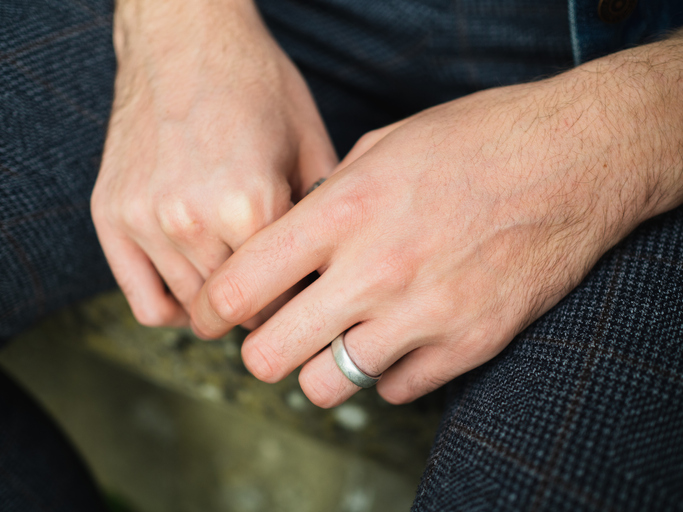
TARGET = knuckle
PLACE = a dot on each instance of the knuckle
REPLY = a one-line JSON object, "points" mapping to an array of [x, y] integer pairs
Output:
{"points": [[349, 210], [177, 220], [229, 300], [244, 212], [346, 210], [368, 140]]}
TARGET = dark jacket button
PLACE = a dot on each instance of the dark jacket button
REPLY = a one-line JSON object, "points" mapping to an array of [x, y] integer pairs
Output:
{"points": [[614, 11]]}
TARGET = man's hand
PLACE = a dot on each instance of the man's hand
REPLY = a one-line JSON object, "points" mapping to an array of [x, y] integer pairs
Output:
{"points": [[213, 134], [441, 237]]}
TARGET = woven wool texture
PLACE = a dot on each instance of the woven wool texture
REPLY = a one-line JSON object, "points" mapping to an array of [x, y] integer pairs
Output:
{"points": [[56, 82], [584, 410]]}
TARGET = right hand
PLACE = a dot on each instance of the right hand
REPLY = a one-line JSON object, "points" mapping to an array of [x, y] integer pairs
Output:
{"points": [[213, 134]]}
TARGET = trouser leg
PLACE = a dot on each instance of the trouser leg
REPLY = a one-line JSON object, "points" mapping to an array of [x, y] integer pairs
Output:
{"points": [[584, 410], [56, 79]]}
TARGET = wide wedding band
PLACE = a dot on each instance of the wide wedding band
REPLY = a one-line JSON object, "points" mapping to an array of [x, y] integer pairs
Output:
{"points": [[348, 367]]}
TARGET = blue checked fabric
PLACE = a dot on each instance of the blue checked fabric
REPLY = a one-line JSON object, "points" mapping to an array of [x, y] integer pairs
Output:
{"points": [[583, 411], [56, 82]]}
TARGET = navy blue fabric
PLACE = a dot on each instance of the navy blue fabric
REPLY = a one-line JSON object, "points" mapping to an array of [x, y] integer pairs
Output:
{"points": [[56, 82], [372, 63], [584, 410], [592, 37], [581, 412]]}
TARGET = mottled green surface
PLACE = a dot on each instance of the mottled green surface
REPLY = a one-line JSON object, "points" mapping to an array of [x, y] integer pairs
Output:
{"points": [[206, 431], [117, 504], [213, 370]]}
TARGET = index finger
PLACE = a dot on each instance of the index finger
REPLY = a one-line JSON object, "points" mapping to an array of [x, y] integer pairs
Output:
{"points": [[267, 265]]}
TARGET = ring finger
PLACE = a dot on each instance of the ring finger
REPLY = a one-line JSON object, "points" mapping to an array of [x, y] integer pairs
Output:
{"points": [[302, 327], [373, 348]]}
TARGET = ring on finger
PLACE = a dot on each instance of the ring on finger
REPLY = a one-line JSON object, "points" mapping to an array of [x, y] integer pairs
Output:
{"points": [[348, 367]]}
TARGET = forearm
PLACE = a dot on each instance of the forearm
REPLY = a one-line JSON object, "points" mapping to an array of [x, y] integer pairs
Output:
{"points": [[634, 100], [173, 45], [174, 23]]}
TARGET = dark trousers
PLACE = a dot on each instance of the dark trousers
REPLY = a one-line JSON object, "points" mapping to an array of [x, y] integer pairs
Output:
{"points": [[583, 411]]}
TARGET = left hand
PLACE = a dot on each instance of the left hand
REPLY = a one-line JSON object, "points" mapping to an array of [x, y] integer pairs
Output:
{"points": [[441, 237], [213, 134]]}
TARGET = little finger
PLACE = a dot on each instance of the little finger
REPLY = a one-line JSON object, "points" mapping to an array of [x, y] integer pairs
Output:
{"points": [[304, 326], [139, 281], [181, 277]]}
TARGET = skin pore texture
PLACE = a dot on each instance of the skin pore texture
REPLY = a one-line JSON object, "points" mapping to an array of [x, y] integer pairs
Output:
{"points": [[438, 238]]}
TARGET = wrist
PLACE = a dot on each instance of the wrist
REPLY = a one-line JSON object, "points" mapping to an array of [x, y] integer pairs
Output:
{"points": [[639, 98], [169, 22], [620, 120], [174, 48]]}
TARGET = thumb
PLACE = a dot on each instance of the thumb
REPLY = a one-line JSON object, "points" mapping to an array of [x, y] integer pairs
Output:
{"points": [[366, 143]]}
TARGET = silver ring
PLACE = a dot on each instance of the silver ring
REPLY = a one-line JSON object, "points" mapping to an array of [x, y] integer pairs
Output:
{"points": [[348, 367], [316, 185]]}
